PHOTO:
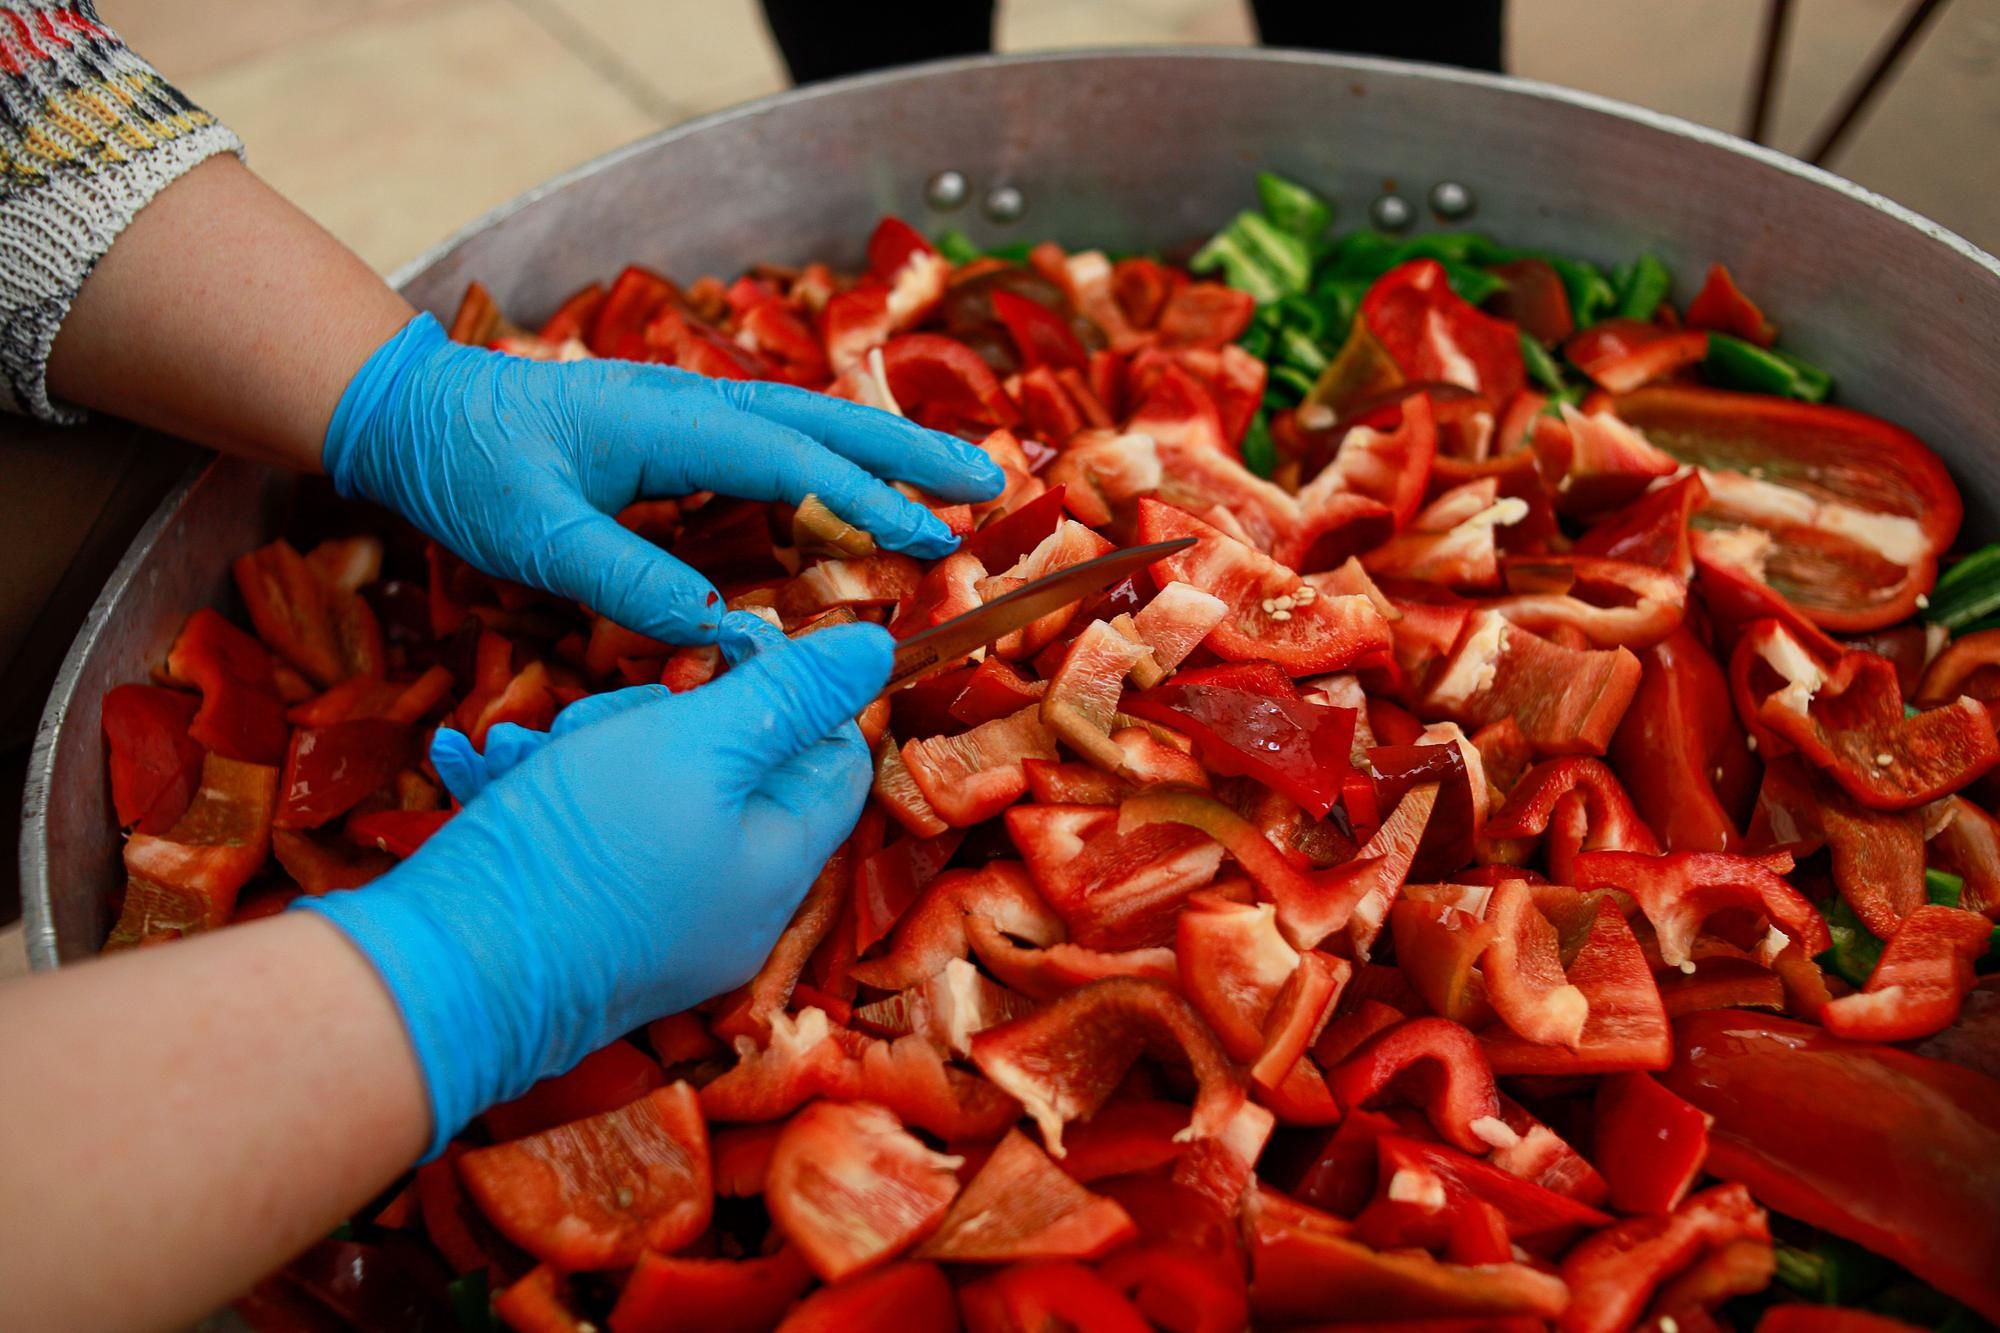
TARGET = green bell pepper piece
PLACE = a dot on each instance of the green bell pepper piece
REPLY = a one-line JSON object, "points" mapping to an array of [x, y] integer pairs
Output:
{"points": [[1288, 384], [1541, 364], [1256, 257], [1641, 286], [1296, 350], [472, 1299], [1943, 888], [1736, 364], [1856, 949], [1292, 207], [1260, 452], [1473, 284], [956, 246], [1967, 593]]}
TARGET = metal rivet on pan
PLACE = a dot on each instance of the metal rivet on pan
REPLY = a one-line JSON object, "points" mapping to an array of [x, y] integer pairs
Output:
{"points": [[1391, 212], [1451, 201], [948, 190], [1005, 203]]}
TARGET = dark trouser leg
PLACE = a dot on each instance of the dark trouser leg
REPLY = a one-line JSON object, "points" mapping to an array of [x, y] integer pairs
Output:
{"points": [[825, 39], [1447, 32]]}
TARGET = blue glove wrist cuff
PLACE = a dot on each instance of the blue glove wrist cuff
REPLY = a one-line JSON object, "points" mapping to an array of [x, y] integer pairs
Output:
{"points": [[380, 378], [437, 990]]}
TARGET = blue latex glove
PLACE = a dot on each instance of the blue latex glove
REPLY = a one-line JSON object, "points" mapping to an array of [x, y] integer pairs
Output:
{"points": [[642, 858], [518, 466]]}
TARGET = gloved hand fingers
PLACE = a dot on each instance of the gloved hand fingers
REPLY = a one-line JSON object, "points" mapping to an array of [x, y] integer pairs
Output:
{"points": [[462, 768], [597, 707], [806, 805], [508, 744], [788, 698], [745, 455], [887, 445], [745, 635], [587, 556]]}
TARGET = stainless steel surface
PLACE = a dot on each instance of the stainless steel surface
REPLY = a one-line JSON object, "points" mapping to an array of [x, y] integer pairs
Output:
{"points": [[1129, 150], [1391, 212], [948, 190], [1451, 201], [982, 625]]}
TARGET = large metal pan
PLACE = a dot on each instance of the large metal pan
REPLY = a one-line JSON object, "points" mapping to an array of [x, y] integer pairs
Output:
{"points": [[1127, 149]]}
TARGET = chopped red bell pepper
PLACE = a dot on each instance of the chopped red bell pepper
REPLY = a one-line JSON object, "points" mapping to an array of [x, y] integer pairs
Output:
{"points": [[1233, 963], [1524, 973], [1021, 1207], [1566, 701], [618, 326], [948, 1009], [241, 715], [908, 1297], [1892, 1150], [1297, 1016], [1581, 805], [1421, 1189], [329, 770], [1113, 888], [1969, 846], [1650, 1144], [1125, 1137], [1623, 354], [1877, 857], [1856, 510], [597, 1193], [942, 383], [1921, 979], [667, 1292], [1455, 822], [325, 631], [886, 883], [186, 879], [574, 316], [933, 931], [1043, 973], [1681, 890], [1438, 948], [1534, 298], [1262, 729], [538, 1303], [1722, 306], [155, 763], [1613, 1272], [1322, 633], [1652, 530], [1683, 751], [1081, 703], [398, 832], [1306, 1265], [807, 1057], [1848, 719], [1433, 336], [770, 990], [1042, 336], [1065, 1062], [1822, 1319], [852, 1189], [1180, 1286], [1034, 1297], [976, 774], [1435, 1062], [1626, 1026], [607, 1079]]}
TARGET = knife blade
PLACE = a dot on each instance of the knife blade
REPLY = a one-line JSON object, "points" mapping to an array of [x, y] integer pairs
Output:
{"points": [[1026, 604]]}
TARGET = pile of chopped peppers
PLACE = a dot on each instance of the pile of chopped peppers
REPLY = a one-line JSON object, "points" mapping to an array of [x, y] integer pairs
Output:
{"points": [[1529, 864]]}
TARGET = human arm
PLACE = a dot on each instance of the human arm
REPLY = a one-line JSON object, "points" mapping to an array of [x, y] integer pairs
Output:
{"points": [[200, 1110]]}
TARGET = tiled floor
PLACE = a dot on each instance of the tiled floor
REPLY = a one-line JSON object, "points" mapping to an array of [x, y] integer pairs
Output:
{"points": [[394, 121]]}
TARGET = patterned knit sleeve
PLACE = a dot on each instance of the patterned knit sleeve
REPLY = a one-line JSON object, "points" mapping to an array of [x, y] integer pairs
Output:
{"points": [[89, 133]]}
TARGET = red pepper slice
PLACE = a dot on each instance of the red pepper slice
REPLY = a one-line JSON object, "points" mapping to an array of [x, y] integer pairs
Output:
{"points": [[1021, 1207], [1652, 530], [1534, 298], [398, 832], [618, 327], [538, 1303], [1264, 730], [891, 245], [1683, 751], [1233, 963], [914, 1298], [1919, 982], [1008, 539], [1681, 890], [1327, 633], [1612, 1273], [749, 1015], [1650, 1143], [1115, 889], [886, 883], [782, 338], [1141, 287], [1438, 949], [1859, 567], [330, 770], [1065, 1062], [1622, 354], [1586, 805], [1124, 1138], [241, 716], [320, 865], [187, 879], [155, 763], [1043, 337], [1452, 828], [1894, 1151], [665, 1292], [1283, 1072], [976, 774], [1045, 973], [597, 1193], [1524, 973], [1878, 858], [1969, 846], [939, 381], [1722, 306], [933, 931], [1181, 1287], [1626, 1027], [1566, 701], [573, 316], [681, 1039], [1437, 1063], [1205, 314], [1435, 336], [1033, 1297], [1822, 1319], [852, 1189], [1306, 1266], [1417, 1212], [607, 1079]]}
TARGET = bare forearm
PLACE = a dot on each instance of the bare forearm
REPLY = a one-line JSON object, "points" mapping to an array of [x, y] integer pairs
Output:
{"points": [[225, 315], [181, 1120]]}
